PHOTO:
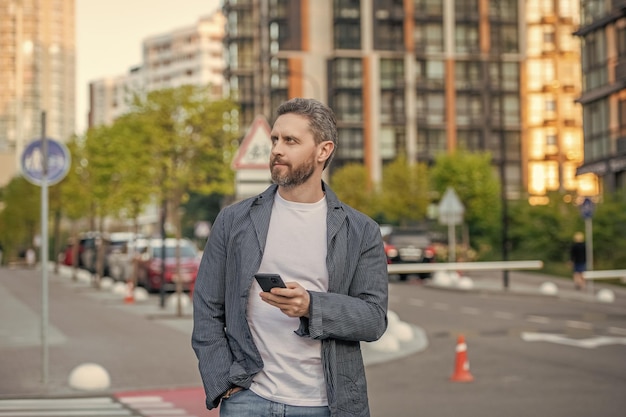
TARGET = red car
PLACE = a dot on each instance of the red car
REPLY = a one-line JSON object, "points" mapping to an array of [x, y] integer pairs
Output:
{"points": [[151, 264]]}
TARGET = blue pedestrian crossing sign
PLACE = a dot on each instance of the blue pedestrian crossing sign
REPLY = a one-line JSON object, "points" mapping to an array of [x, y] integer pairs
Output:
{"points": [[32, 161], [587, 208]]}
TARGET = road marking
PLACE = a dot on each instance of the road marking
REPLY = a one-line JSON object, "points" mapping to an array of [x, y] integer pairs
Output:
{"points": [[617, 330], [589, 343], [64, 407], [416, 302], [503, 315], [538, 319], [470, 310], [579, 324]]}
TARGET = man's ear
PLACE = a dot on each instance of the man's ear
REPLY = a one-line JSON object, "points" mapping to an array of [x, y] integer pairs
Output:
{"points": [[325, 150]]}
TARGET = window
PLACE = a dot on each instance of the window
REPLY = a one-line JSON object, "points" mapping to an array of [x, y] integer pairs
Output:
{"points": [[595, 126], [468, 75], [392, 106], [428, 7], [428, 37], [349, 106], [594, 59], [468, 109], [350, 144], [466, 38], [430, 74], [391, 73], [347, 72], [504, 38], [430, 108]]}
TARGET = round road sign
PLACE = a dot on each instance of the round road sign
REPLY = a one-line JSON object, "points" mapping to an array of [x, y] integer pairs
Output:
{"points": [[32, 162]]}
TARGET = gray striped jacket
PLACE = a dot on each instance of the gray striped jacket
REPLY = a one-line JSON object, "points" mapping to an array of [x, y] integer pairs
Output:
{"points": [[354, 309]]}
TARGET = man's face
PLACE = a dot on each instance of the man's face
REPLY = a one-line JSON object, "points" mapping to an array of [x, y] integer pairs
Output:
{"points": [[294, 153]]}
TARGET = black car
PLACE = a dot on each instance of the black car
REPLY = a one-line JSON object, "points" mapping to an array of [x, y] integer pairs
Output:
{"points": [[408, 245]]}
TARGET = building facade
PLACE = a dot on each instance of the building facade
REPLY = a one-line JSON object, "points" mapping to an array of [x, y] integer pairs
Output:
{"points": [[37, 74], [188, 55], [420, 77], [603, 36]]}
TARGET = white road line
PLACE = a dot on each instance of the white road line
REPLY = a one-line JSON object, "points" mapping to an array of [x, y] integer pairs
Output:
{"points": [[578, 324], [470, 310], [538, 319], [503, 315], [617, 330], [416, 302]]}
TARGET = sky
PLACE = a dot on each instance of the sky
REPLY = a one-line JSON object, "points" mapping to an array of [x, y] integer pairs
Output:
{"points": [[109, 36]]}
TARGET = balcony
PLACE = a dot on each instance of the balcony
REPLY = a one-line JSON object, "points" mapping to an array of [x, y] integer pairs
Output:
{"points": [[620, 70]]}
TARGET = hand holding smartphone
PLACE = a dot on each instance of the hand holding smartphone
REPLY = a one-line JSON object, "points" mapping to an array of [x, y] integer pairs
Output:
{"points": [[269, 281]]}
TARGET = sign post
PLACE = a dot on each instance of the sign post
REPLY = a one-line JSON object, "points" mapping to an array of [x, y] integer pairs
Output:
{"points": [[451, 213], [44, 162], [586, 210]]}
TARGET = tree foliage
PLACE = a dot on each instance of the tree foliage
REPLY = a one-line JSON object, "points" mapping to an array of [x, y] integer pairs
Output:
{"points": [[472, 177], [352, 185], [21, 217], [404, 193]]}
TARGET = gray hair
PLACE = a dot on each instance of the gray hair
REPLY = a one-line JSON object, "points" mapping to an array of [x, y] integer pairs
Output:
{"points": [[321, 118]]}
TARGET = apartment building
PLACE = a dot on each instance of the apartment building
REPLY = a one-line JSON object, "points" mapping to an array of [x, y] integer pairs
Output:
{"points": [[602, 33], [37, 74], [553, 131], [420, 77], [189, 55]]}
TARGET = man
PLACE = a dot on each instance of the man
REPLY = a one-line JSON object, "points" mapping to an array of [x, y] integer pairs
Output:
{"points": [[578, 258], [296, 350]]}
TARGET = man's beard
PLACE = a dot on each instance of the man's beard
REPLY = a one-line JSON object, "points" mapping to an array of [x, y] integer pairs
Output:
{"points": [[294, 176]]}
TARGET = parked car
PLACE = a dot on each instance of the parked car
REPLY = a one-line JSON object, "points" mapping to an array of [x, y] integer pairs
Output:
{"points": [[86, 251], [408, 245], [150, 265]]}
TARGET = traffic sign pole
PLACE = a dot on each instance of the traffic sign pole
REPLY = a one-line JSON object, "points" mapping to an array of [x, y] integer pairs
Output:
{"points": [[44, 252], [44, 162]]}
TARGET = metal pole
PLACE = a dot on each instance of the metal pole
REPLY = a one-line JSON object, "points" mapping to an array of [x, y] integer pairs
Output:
{"points": [[451, 243], [44, 251], [589, 248]]}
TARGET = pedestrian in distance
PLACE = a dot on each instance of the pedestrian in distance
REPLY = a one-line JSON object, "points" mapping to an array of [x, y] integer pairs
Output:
{"points": [[578, 259], [295, 349]]}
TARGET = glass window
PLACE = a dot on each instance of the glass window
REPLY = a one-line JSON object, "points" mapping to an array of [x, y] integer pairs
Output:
{"points": [[468, 75], [350, 144], [391, 73], [347, 35], [347, 72], [468, 109], [430, 107], [504, 38], [388, 36], [466, 38], [594, 59], [428, 37], [595, 126], [349, 106], [392, 106], [469, 139], [428, 7]]}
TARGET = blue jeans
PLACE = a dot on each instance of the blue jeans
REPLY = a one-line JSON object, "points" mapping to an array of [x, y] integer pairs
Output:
{"points": [[247, 404]]}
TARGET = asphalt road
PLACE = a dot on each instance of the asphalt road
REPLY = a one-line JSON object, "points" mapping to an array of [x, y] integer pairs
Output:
{"points": [[530, 354]]}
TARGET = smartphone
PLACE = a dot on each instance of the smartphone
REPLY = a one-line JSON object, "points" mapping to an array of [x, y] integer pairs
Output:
{"points": [[269, 281]]}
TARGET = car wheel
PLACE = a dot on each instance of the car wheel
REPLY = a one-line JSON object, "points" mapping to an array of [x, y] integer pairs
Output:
{"points": [[404, 277]]}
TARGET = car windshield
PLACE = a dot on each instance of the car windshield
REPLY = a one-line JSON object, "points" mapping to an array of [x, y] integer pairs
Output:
{"points": [[170, 251], [406, 240]]}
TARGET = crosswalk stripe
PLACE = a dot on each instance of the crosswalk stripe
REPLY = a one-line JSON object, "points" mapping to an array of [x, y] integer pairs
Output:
{"points": [[64, 407]]}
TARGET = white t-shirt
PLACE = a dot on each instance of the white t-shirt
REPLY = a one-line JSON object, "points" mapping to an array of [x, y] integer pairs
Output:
{"points": [[295, 249]]}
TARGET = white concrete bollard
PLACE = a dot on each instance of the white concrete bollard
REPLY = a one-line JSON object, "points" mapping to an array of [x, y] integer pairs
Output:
{"points": [[402, 331], [106, 283], [172, 301], [442, 278], [119, 288], [605, 296], [140, 294], [387, 343], [548, 288], [465, 283], [89, 377]]}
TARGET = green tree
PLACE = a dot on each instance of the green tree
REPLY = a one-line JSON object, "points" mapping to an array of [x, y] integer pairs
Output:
{"points": [[20, 219], [609, 231], [404, 193], [352, 185], [472, 177]]}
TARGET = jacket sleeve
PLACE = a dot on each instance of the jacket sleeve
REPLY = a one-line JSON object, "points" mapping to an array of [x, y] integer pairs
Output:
{"points": [[208, 336], [357, 311]]}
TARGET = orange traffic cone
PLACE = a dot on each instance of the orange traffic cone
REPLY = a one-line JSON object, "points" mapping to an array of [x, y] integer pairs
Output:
{"points": [[461, 366], [129, 298]]}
